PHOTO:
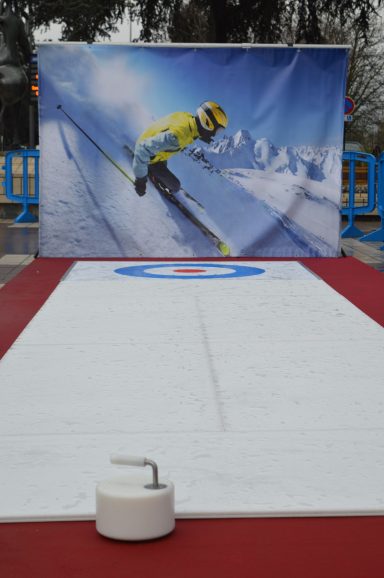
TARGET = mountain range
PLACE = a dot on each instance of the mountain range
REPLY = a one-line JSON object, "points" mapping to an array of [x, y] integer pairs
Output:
{"points": [[241, 151]]}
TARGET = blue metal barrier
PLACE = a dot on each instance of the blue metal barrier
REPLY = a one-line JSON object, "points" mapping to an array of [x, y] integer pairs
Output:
{"points": [[378, 234], [26, 197], [352, 210]]}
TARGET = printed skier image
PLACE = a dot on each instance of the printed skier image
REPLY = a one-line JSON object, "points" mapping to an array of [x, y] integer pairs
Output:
{"points": [[168, 136], [133, 166]]}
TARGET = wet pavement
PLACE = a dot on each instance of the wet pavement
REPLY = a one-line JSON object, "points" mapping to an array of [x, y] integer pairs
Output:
{"points": [[18, 247], [369, 253]]}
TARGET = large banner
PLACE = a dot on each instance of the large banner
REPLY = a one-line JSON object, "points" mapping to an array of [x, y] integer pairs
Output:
{"points": [[162, 151]]}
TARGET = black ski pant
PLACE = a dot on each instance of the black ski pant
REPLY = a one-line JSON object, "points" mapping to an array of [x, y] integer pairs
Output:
{"points": [[161, 173]]}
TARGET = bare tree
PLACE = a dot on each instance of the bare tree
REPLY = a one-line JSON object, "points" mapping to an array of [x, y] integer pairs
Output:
{"points": [[365, 75]]}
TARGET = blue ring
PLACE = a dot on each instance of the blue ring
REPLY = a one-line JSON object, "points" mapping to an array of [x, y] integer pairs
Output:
{"points": [[141, 271]]}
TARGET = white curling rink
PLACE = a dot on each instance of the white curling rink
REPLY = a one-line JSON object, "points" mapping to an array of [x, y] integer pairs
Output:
{"points": [[257, 393]]}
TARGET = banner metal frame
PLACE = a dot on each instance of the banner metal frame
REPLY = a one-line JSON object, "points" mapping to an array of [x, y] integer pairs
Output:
{"points": [[201, 45]]}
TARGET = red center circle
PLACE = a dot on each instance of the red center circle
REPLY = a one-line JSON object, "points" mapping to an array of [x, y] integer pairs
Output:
{"points": [[189, 270]]}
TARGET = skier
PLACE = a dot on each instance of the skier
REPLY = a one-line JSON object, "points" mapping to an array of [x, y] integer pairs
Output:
{"points": [[170, 135]]}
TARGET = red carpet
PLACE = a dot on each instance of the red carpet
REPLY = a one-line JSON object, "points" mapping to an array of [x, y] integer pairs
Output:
{"points": [[247, 548], [259, 548]]}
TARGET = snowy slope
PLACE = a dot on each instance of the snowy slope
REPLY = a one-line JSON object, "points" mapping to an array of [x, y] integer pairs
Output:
{"points": [[257, 212], [301, 208]]}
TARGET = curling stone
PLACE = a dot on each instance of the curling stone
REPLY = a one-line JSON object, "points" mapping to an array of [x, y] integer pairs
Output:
{"points": [[130, 508]]}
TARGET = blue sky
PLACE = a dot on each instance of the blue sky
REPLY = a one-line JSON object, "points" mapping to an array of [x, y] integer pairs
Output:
{"points": [[291, 96]]}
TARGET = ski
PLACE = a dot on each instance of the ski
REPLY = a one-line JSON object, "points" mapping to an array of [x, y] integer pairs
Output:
{"points": [[219, 244], [191, 198], [222, 247]]}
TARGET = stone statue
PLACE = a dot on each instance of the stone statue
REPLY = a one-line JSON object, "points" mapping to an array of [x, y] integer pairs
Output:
{"points": [[15, 53]]}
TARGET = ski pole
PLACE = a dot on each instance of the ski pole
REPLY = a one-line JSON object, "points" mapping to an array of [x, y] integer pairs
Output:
{"points": [[111, 160]]}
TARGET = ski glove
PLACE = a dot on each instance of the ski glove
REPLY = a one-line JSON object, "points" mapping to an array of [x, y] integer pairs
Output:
{"points": [[140, 186]]}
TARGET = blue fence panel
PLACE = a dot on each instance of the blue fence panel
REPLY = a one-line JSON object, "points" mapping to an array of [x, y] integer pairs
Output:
{"points": [[352, 210], [378, 234], [26, 197]]}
